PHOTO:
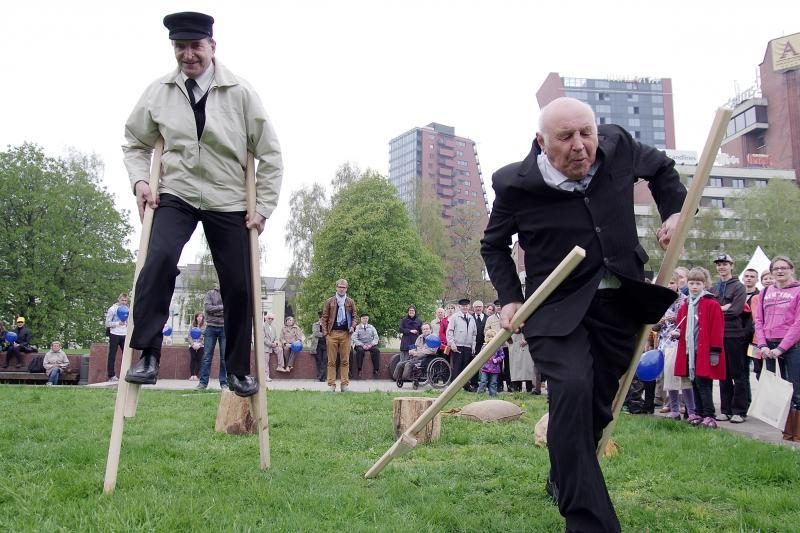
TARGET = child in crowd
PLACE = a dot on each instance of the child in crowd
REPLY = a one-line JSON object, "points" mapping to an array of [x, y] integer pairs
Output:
{"points": [[491, 368], [55, 361], [667, 343], [700, 355]]}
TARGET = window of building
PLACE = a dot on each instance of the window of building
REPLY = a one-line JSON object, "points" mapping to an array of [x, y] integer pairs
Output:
{"points": [[717, 202], [633, 110], [603, 96], [658, 123], [658, 111], [750, 116], [658, 99], [459, 153], [466, 182], [637, 134], [759, 183], [601, 84], [602, 108], [737, 183], [634, 122], [656, 87], [658, 135], [633, 97], [714, 182], [461, 144], [578, 95], [462, 163], [602, 120], [430, 147]]}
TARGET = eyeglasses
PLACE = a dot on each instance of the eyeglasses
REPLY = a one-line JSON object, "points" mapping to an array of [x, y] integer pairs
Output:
{"points": [[781, 268], [340, 287]]}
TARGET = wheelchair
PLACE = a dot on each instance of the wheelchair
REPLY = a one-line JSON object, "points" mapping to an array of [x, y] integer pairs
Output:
{"points": [[434, 371]]}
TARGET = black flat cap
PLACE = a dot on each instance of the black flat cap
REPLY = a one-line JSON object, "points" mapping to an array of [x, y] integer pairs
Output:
{"points": [[189, 26], [463, 301]]}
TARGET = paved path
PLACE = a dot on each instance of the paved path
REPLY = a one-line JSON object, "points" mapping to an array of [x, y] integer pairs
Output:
{"points": [[752, 428]]}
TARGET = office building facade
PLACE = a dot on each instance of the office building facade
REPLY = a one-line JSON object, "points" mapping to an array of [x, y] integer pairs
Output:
{"points": [[643, 106]]}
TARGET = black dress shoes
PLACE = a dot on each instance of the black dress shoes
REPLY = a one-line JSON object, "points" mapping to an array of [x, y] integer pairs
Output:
{"points": [[145, 372], [243, 386]]}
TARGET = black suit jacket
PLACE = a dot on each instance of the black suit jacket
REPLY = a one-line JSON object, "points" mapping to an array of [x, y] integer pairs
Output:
{"points": [[480, 325], [550, 222]]}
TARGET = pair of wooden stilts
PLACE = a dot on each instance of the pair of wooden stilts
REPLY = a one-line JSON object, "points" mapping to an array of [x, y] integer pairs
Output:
{"points": [[128, 393]]}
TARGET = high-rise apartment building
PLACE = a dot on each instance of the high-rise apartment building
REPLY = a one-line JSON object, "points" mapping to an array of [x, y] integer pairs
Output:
{"points": [[765, 128], [433, 159], [643, 106]]}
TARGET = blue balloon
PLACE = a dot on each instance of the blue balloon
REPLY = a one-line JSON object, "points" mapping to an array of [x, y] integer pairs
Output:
{"points": [[433, 341], [11, 336], [123, 312], [297, 346], [195, 333], [167, 331], [651, 365]]}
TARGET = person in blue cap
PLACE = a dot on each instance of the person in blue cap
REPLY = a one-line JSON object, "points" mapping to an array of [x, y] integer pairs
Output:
{"points": [[210, 119]]}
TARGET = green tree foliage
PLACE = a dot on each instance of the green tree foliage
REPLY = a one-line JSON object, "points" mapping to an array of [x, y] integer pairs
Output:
{"points": [[464, 275], [62, 252], [768, 217], [428, 220], [368, 239]]}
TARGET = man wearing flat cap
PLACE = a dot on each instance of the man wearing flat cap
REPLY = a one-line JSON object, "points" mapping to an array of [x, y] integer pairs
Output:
{"points": [[461, 333], [210, 119]]}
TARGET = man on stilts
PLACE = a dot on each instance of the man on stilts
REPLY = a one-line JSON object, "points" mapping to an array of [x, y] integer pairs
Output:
{"points": [[210, 121], [576, 188]]}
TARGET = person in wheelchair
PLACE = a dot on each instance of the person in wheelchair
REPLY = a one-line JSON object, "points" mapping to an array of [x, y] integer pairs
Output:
{"points": [[421, 354]]}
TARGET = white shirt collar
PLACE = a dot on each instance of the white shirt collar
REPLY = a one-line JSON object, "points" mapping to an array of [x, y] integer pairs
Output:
{"points": [[203, 81], [555, 179]]}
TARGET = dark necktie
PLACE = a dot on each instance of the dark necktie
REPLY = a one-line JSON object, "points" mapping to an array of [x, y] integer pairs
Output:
{"points": [[190, 85]]}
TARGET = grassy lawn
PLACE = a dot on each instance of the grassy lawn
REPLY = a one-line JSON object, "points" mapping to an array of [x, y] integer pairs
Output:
{"points": [[176, 474]]}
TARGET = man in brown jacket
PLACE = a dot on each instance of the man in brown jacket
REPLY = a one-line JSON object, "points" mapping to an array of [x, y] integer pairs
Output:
{"points": [[338, 321]]}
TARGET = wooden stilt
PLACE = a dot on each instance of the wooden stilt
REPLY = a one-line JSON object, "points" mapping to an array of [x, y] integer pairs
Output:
{"points": [[258, 402], [127, 392], [406, 440], [674, 251]]}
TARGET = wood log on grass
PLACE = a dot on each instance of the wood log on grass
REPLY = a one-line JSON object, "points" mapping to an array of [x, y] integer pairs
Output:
{"points": [[406, 410], [233, 415]]}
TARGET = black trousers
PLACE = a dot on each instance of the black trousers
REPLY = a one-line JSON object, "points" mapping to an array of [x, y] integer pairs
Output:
{"points": [[321, 357], [460, 360], [114, 342], [583, 371], [703, 397], [374, 353], [173, 224], [734, 390], [195, 357]]}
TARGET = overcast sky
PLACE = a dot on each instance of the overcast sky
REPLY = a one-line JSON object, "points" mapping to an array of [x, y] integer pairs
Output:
{"points": [[340, 79]]}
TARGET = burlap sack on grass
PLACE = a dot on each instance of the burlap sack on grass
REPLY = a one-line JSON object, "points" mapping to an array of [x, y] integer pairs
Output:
{"points": [[491, 411]]}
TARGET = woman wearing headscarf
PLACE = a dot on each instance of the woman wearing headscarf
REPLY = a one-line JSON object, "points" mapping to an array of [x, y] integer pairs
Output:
{"points": [[410, 327]]}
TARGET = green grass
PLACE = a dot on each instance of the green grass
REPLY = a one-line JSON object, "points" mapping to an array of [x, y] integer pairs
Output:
{"points": [[176, 474]]}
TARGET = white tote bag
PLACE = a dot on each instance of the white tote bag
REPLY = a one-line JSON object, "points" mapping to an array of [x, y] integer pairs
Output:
{"points": [[772, 400]]}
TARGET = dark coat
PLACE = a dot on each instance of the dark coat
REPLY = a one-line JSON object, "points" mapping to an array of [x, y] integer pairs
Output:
{"points": [[408, 339], [732, 292], [711, 328], [480, 325], [551, 222]]}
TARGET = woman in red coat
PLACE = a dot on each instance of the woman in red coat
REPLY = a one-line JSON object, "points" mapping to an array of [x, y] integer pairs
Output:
{"points": [[700, 354]]}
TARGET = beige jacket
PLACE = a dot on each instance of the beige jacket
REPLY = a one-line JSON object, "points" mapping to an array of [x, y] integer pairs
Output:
{"points": [[207, 174]]}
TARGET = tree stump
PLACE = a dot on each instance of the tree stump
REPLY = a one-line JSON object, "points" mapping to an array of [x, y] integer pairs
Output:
{"points": [[233, 415], [406, 411]]}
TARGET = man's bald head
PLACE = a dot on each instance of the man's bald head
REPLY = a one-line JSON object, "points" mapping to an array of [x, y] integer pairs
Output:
{"points": [[568, 136]]}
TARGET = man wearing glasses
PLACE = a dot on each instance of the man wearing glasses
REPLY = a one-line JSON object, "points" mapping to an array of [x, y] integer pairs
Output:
{"points": [[338, 321]]}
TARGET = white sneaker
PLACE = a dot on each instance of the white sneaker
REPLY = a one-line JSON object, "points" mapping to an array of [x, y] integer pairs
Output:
{"points": [[49, 384], [345, 388], [737, 419], [113, 379], [332, 388], [269, 379]]}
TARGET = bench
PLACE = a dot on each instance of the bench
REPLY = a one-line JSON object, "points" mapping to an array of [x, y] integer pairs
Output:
{"points": [[23, 376]]}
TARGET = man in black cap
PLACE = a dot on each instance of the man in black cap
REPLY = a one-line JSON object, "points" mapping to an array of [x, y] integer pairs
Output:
{"points": [[734, 390], [210, 120]]}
